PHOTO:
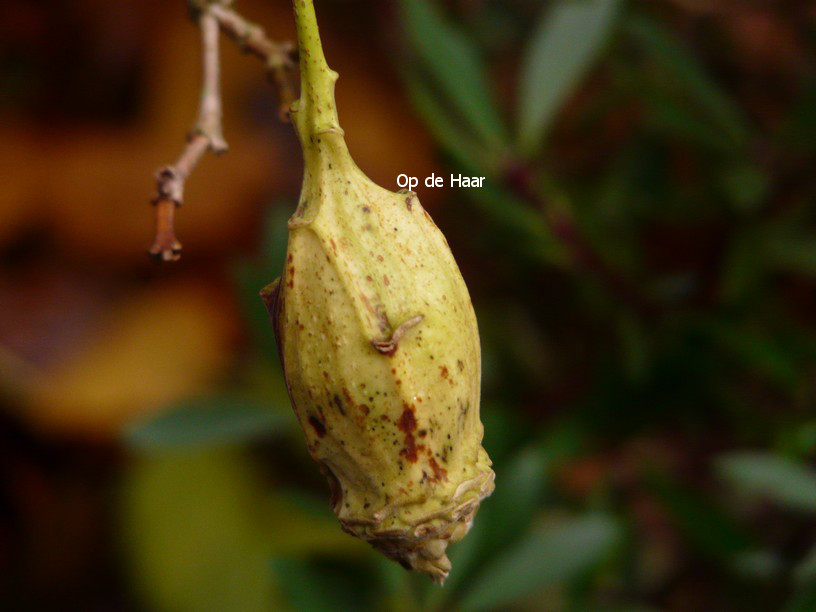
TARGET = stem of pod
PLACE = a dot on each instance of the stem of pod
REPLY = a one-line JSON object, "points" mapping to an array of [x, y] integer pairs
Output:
{"points": [[315, 112]]}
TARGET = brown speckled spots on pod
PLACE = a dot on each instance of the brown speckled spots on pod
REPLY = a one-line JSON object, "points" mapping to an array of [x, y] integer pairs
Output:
{"points": [[358, 320]]}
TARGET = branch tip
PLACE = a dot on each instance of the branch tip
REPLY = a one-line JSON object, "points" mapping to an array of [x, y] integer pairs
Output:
{"points": [[166, 246], [213, 16]]}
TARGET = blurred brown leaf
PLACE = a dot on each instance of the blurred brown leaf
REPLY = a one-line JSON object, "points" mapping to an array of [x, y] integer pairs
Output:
{"points": [[157, 347]]}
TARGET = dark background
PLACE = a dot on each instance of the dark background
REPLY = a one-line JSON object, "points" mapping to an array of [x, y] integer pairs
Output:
{"points": [[642, 261]]}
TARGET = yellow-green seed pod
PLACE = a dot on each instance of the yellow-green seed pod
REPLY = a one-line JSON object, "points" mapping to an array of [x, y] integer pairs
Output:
{"points": [[379, 344]]}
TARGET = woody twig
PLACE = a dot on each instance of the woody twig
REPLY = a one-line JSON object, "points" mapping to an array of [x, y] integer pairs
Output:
{"points": [[207, 135], [279, 58]]}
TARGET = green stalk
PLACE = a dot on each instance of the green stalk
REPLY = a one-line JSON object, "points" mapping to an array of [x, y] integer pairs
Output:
{"points": [[315, 112]]}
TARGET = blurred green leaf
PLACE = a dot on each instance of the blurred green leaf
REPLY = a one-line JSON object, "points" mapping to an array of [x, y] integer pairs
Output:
{"points": [[778, 479], [670, 115], [758, 348], [446, 130], [323, 586], [704, 524], [218, 419], [798, 439], [513, 504], [503, 518], [190, 525], [635, 347], [804, 600], [251, 275], [300, 526], [681, 73], [547, 556], [805, 570], [303, 587], [399, 595], [799, 129], [757, 564], [623, 607], [745, 264], [527, 231], [794, 253], [746, 186], [567, 40], [453, 63], [505, 430]]}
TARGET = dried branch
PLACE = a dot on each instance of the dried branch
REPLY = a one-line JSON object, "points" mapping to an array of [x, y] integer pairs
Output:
{"points": [[213, 15], [280, 58], [207, 135]]}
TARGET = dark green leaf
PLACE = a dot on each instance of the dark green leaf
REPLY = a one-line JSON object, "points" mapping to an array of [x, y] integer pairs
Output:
{"points": [[527, 227], [799, 130], [757, 564], [706, 526], [682, 75], [794, 253], [445, 129], [745, 265], [804, 600], [547, 556], [746, 186], [757, 348], [505, 430], [250, 276], [671, 117], [567, 40], [208, 421], [805, 571], [322, 585], [781, 480], [798, 439], [513, 504], [503, 518], [634, 347], [455, 67]]}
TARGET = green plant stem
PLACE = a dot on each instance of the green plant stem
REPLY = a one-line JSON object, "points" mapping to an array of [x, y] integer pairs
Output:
{"points": [[315, 112]]}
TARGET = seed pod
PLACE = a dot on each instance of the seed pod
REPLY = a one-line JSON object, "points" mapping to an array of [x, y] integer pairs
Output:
{"points": [[379, 344]]}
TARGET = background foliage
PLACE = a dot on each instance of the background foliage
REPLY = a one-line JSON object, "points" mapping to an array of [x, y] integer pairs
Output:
{"points": [[641, 260]]}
